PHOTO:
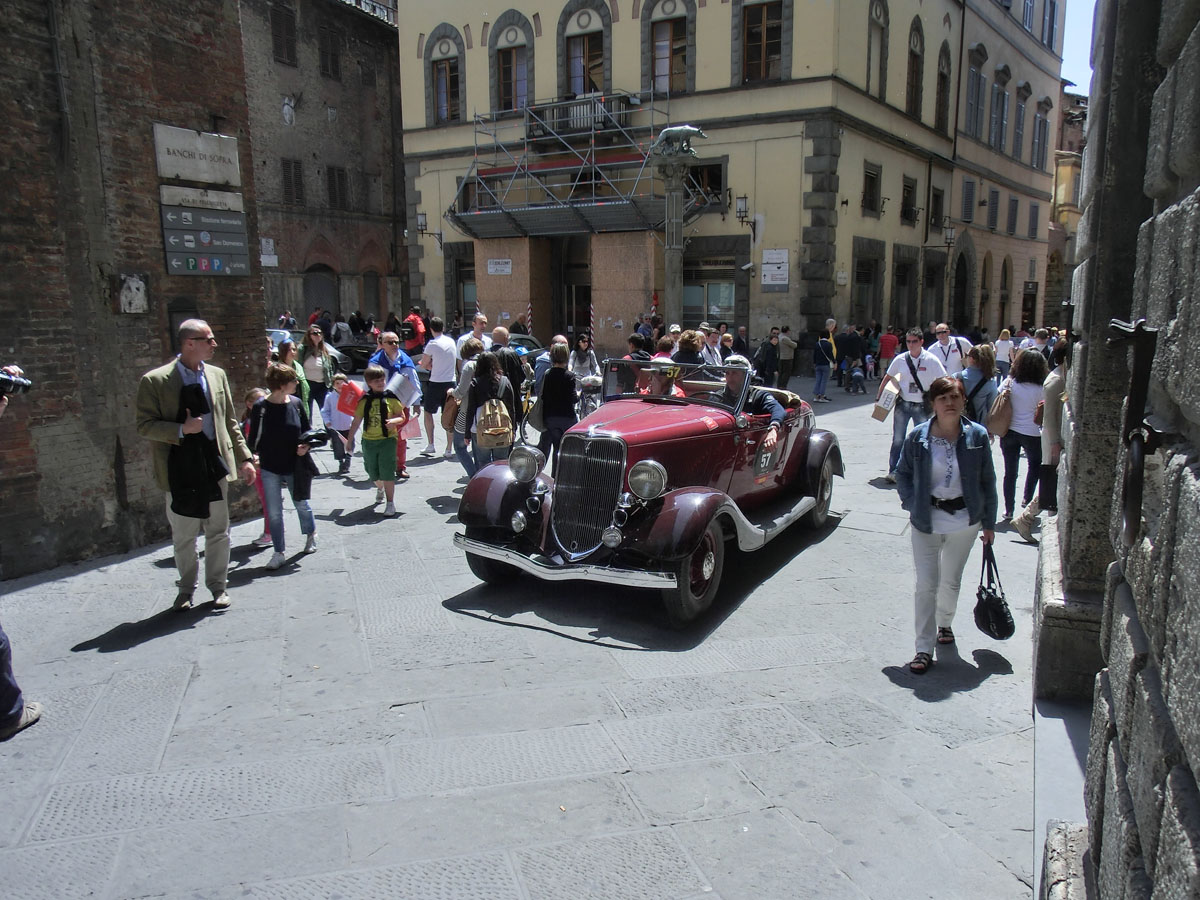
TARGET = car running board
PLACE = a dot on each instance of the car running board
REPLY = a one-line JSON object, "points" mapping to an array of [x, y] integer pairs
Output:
{"points": [[764, 523]]}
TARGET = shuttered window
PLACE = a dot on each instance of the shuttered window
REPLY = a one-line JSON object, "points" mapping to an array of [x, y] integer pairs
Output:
{"points": [[283, 35], [1034, 214], [293, 181], [339, 187], [330, 44], [993, 208], [968, 203], [1013, 203]]}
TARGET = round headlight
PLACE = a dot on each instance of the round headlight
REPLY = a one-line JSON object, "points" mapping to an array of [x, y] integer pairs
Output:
{"points": [[525, 463], [518, 521], [611, 537], [647, 479]]}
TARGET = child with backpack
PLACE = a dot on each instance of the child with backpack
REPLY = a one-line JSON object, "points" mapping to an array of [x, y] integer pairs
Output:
{"points": [[491, 411], [382, 416], [339, 422]]}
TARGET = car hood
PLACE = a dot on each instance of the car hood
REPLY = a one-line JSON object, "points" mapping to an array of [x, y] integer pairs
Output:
{"points": [[649, 421]]}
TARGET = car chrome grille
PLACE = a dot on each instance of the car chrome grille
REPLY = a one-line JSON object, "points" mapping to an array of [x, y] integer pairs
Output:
{"points": [[591, 471]]}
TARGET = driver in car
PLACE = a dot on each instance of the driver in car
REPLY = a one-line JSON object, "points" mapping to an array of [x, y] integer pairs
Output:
{"points": [[758, 401]]}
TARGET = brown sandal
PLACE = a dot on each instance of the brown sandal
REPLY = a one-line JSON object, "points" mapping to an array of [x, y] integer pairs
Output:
{"points": [[921, 664], [945, 636]]}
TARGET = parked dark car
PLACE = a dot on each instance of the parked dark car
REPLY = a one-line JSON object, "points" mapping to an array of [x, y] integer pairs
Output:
{"points": [[650, 487]]}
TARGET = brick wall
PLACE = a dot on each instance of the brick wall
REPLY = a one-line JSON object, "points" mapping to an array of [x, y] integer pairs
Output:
{"points": [[81, 194], [1142, 800], [352, 123]]}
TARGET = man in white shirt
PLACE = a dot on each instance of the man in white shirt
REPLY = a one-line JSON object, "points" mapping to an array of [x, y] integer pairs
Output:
{"points": [[711, 352], [951, 350], [477, 332], [440, 358], [912, 372]]}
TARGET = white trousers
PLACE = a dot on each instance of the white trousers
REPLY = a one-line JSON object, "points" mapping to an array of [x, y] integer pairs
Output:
{"points": [[939, 560], [184, 532]]}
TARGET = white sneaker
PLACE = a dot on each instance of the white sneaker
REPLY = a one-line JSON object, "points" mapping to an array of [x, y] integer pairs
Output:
{"points": [[379, 495], [263, 540], [429, 450], [449, 454], [389, 510], [891, 478], [276, 561], [310, 545]]}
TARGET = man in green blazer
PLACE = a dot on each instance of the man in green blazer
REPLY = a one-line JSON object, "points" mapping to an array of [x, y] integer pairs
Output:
{"points": [[158, 418]]}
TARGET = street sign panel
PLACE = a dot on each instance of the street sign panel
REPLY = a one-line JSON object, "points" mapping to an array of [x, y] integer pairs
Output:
{"points": [[170, 195], [196, 156], [197, 263], [189, 218], [206, 241]]}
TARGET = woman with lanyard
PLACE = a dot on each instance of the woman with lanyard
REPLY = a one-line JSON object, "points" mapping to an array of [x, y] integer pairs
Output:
{"points": [[318, 365], [947, 483]]}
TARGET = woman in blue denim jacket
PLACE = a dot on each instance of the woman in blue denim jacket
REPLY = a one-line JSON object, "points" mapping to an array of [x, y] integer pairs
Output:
{"points": [[947, 483]]}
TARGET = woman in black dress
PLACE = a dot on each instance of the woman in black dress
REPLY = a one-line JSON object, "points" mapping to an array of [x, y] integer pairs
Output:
{"points": [[558, 404]]}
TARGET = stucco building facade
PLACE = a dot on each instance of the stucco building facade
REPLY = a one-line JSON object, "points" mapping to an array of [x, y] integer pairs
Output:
{"points": [[834, 167]]}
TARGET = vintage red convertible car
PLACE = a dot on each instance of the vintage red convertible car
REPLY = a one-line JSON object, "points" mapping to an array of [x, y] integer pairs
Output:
{"points": [[676, 462]]}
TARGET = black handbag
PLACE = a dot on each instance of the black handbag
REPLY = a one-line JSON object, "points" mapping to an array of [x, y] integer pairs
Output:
{"points": [[992, 615]]}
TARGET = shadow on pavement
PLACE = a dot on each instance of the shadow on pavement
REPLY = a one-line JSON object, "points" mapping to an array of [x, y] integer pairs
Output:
{"points": [[349, 518], [634, 619], [130, 634], [950, 675]]}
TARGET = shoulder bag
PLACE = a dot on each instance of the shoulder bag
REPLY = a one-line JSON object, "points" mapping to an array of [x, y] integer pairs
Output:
{"points": [[450, 411], [992, 615], [927, 404], [1000, 415]]}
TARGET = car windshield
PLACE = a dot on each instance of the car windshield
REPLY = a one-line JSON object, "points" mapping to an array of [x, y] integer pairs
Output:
{"points": [[664, 380]]}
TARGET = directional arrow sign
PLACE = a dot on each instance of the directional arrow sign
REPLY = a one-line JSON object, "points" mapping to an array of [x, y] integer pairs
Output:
{"points": [[176, 263]]}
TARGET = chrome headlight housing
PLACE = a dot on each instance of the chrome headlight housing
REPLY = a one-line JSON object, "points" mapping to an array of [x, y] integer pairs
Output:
{"points": [[526, 463], [648, 479]]}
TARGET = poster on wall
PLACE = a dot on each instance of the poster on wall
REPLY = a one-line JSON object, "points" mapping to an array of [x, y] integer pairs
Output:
{"points": [[499, 267], [775, 268]]}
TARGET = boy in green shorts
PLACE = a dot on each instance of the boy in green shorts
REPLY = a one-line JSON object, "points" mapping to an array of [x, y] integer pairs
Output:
{"points": [[384, 416]]}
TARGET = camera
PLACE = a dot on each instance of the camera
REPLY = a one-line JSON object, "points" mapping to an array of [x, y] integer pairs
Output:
{"points": [[13, 384]]}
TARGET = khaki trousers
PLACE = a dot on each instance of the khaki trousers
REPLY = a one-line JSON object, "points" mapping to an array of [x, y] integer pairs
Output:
{"points": [[184, 532]]}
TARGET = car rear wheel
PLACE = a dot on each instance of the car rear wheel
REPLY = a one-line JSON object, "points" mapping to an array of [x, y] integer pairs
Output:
{"points": [[698, 576], [819, 514]]}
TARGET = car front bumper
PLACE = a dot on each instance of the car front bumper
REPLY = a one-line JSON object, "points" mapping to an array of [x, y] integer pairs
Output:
{"points": [[547, 569]]}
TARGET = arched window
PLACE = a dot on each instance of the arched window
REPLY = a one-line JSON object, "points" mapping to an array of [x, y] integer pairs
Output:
{"points": [[510, 55], [669, 46], [877, 49], [762, 42], [916, 68], [941, 113], [584, 48], [445, 78]]}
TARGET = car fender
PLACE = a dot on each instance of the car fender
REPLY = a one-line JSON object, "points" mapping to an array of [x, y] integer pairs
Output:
{"points": [[822, 444], [494, 494], [674, 529]]}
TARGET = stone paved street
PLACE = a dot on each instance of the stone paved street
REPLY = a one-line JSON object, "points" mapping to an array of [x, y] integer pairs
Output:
{"points": [[370, 721]]}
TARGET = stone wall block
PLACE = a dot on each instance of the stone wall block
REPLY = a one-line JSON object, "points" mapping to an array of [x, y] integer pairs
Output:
{"points": [[823, 218], [1120, 846], [820, 164], [1113, 577], [1160, 182], [1103, 731], [819, 128], [820, 200], [1153, 749], [827, 147], [826, 182], [1177, 870], [1085, 241], [1145, 267], [1179, 18], [1170, 364], [817, 235], [1138, 885], [1183, 338], [1185, 133], [1181, 674], [1163, 300], [816, 271], [1167, 552], [1128, 651]]}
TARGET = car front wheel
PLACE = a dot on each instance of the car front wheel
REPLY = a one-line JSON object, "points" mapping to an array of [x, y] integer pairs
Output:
{"points": [[489, 571], [698, 576]]}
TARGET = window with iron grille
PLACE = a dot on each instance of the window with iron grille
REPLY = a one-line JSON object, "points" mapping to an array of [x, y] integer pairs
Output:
{"points": [[445, 90], [993, 209], [1013, 204], [585, 63], [339, 187], [762, 42], [1034, 215], [908, 202], [283, 35], [670, 56], [968, 203], [514, 82], [292, 171], [329, 42], [937, 209], [870, 195]]}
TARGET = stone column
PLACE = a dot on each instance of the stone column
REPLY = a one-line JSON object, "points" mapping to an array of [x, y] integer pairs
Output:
{"points": [[673, 169]]}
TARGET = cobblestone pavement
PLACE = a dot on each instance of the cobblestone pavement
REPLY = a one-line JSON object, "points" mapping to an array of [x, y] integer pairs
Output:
{"points": [[370, 721]]}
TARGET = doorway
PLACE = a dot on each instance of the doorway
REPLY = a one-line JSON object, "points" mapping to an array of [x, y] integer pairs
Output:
{"points": [[320, 289]]}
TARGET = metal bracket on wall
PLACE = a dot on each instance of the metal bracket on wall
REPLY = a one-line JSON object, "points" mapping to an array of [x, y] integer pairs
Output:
{"points": [[1139, 435]]}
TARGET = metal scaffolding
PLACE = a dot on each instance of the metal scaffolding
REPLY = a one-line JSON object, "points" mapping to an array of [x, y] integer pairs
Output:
{"points": [[575, 166]]}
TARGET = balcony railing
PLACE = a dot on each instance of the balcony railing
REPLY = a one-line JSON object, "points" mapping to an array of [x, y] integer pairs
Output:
{"points": [[591, 113]]}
